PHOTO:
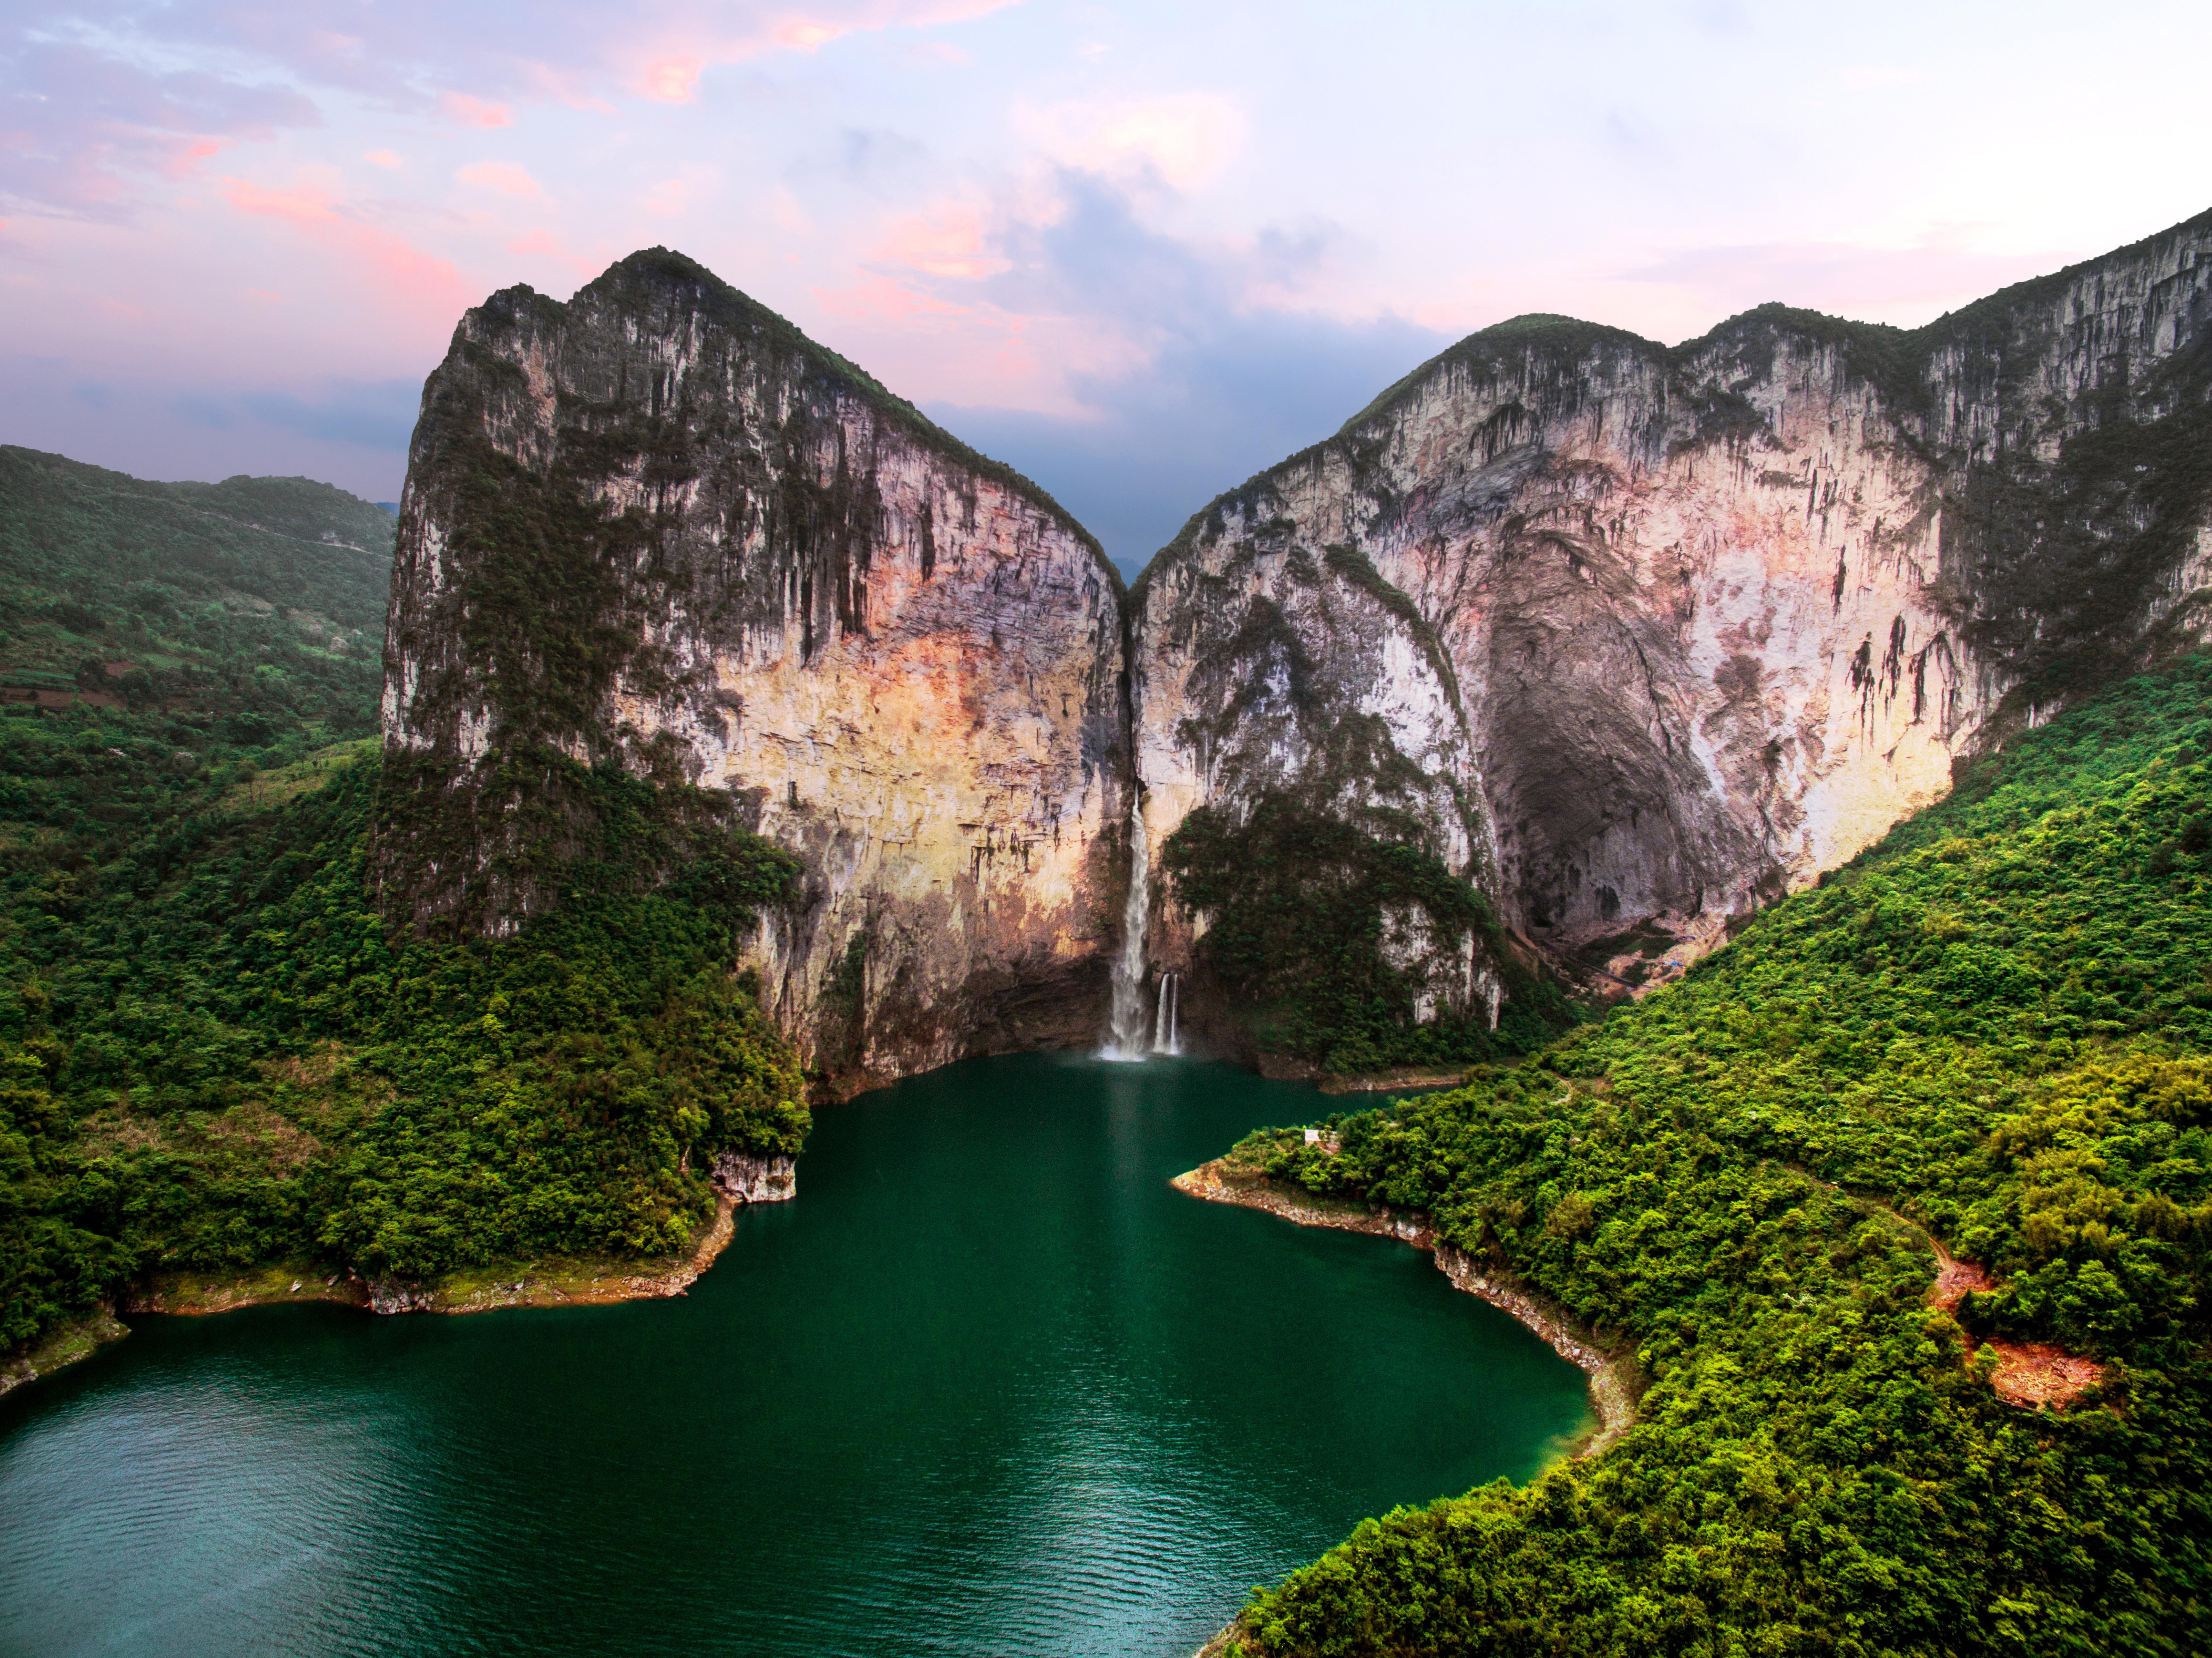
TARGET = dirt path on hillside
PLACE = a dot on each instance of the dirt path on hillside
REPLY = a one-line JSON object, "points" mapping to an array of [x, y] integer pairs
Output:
{"points": [[2032, 1374]]}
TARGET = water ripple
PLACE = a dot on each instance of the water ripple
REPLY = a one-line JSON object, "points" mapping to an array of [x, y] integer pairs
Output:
{"points": [[988, 1387]]}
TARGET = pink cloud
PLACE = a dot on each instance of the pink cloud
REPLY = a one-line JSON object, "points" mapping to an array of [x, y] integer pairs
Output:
{"points": [[383, 158], [1185, 139], [418, 281], [808, 34], [100, 125], [949, 241], [977, 355], [103, 116], [465, 111], [564, 87], [667, 64], [182, 157], [304, 206], [543, 244], [672, 80], [878, 299], [503, 176]]}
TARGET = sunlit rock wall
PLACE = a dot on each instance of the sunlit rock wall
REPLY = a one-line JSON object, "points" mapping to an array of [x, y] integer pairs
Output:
{"points": [[659, 528]]}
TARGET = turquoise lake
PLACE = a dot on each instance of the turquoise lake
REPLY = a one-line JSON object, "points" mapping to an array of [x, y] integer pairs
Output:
{"points": [[990, 1386]]}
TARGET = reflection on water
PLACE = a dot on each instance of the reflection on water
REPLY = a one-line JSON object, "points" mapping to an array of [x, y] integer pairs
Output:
{"points": [[990, 1386]]}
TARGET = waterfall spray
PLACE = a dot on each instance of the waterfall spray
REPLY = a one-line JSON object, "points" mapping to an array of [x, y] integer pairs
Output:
{"points": [[1165, 1038], [1127, 1039]]}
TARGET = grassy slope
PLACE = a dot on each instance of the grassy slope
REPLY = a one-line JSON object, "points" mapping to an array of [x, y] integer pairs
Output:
{"points": [[1999, 1022], [211, 1054]]}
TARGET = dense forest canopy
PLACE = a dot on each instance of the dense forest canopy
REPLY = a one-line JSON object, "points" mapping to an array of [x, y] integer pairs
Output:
{"points": [[1996, 1026], [216, 1052]]}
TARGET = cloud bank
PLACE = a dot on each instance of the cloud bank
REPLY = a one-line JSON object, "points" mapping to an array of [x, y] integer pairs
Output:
{"points": [[1139, 251]]}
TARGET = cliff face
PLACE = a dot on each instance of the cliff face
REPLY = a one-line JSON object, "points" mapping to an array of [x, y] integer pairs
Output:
{"points": [[1674, 630], [657, 531], [1630, 638]]}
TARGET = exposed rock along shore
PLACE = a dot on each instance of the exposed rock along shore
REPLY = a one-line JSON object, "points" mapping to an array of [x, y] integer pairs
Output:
{"points": [[1612, 1372], [75, 1339], [738, 1180]]}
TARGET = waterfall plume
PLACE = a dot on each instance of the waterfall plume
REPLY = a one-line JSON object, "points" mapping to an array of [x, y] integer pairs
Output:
{"points": [[1166, 1039], [1126, 1041]]}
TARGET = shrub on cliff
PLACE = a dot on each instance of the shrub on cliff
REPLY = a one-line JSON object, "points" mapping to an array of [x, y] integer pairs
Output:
{"points": [[1300, 908]]}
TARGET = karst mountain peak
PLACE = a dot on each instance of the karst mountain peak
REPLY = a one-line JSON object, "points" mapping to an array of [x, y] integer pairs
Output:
{"points": [[1630, 638]]}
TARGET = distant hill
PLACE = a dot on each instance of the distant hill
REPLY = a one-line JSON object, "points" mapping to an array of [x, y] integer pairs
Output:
{"points": [[264, 595], [86, 538], [188, 768], [162, 646]]}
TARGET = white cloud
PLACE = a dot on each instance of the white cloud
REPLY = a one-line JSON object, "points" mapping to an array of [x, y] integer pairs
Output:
{"points": [[1186, 140], [503, 176]]}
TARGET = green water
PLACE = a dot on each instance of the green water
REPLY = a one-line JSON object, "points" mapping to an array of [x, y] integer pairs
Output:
{"points": [[988, 1387]]}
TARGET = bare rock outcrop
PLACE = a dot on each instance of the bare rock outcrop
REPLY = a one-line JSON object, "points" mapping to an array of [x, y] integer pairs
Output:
{"points": [[1637, 632], [756, 1180], [657, 531]]}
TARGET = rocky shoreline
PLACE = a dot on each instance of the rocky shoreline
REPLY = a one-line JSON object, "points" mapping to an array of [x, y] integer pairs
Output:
{"points": [[75, 1339], [576, 1284], [738, 1180], [1612, 1373], [582, 1283], [1284, 1068]]}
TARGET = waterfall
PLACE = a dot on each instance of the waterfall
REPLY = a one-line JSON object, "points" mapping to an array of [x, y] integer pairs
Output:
{"points": [[1165, 1037], [1127, 1039]]}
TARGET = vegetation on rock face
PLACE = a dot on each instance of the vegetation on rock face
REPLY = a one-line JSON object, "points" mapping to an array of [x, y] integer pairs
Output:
{"points": [[213, 1052], [1998, 1023], [1329, 932]]}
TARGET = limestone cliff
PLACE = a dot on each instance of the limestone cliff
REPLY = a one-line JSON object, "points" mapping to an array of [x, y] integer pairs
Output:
{"points": [[1627, 638], [1634, 632], [657, 532]]}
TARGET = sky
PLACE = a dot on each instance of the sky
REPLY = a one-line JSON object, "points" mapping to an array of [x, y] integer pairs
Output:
{"points": [[1140, 251]]}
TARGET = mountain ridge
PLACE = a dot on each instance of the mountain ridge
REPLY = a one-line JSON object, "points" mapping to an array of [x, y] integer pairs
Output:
{"points": [[1626, 636], [1714, 615]]}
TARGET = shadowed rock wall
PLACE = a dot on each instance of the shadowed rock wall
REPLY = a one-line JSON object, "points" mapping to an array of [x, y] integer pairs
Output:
{"points": [[1687, 627]]}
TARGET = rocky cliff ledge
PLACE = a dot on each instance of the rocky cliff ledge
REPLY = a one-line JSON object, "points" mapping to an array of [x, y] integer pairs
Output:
{"points": [[1629, 632], [658, 532]]}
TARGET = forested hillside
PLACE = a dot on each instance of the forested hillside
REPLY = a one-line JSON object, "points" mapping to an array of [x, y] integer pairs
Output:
{"points": [[1997, 1025], [161, 643], [215, 1053]]}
